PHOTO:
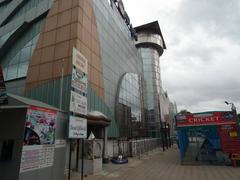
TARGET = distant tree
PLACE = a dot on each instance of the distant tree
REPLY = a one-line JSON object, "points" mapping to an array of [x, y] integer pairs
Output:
{"points": [[184, 112]]}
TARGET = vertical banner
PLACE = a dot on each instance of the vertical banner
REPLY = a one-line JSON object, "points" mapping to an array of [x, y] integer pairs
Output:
{"points": [[79, 72], [78, 100], [3, 93]]}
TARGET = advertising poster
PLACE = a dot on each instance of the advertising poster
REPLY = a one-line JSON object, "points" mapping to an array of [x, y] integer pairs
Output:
{"points": [[39, 137], [40, 126], [77, 127], [78, 103], [3, 93]]}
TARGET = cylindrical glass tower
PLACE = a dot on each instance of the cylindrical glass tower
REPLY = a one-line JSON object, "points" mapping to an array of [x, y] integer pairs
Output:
{"points": [[151, 45]]}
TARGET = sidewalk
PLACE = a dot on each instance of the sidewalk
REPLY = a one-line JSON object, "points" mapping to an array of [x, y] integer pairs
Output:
{"points": [[163, 166]]}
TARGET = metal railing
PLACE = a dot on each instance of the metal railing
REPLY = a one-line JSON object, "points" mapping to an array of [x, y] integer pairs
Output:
{"points": [[143, 146]]}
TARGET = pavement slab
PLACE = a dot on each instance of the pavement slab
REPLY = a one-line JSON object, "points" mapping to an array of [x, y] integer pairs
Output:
{"points": [[163, 166]]}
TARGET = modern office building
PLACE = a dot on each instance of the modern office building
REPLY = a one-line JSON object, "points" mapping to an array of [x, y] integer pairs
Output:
{"points": [[37, 38]]}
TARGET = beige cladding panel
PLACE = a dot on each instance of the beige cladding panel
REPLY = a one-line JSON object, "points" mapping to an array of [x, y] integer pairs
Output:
{"points": [[69, 23]]}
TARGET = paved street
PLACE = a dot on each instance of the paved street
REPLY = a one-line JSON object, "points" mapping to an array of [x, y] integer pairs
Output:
{"points": [[164, 166]]}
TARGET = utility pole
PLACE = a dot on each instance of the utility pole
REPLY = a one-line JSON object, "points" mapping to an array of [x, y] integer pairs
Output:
{"points": [[61, 86], [161, 125]]}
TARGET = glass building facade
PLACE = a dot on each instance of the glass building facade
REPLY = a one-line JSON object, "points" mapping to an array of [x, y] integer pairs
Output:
{"points": [[16, 61], [124, 82], [119, 56], [20, 28], [130, 106]]}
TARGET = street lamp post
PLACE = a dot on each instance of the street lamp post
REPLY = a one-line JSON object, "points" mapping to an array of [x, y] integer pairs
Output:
{"points": [[233, 107]]}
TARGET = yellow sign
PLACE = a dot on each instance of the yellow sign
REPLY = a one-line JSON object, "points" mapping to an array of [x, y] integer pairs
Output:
{"points": [[233, 134]]}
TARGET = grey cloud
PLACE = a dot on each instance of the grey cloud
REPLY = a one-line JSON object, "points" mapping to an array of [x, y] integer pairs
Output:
{"points": [[218, 17], [193, 91], [199, 52]]}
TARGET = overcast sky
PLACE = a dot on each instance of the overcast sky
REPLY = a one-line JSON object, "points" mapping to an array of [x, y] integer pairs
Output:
{"points": [[201, 66]]}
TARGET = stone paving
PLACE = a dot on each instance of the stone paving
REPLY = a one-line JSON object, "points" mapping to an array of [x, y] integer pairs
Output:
{"points": [[163, 166]]}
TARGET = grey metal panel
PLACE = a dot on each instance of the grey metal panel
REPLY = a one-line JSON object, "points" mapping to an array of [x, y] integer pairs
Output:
{"points": [[42, 8], [40, 174], [12, 127], [59, 163], [31, 102], [62, 124], [44, 174], [30, 175], [60, 152], [16, 83], [30, 14], [14, 4], [3, 1]]}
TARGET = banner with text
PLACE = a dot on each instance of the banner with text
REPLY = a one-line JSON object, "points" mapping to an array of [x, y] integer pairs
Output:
{"points": [[208, 118]]}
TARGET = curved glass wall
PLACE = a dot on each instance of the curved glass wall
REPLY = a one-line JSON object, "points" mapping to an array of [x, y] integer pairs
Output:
{"points": [[4, 6], [5, 37], [151, 68], [30, 4], [24, 8], [130, 106], [15, 63]]}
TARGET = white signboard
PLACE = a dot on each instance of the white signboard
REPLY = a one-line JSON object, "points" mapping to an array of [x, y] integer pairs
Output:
{"points": [[78, 103], [60, 143], [79, 72], [77, 127], [79, 80], [79, 61], [36, 157]]}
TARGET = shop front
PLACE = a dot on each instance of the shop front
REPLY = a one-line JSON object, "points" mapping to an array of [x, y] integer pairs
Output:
{"points": [[208, 137]]}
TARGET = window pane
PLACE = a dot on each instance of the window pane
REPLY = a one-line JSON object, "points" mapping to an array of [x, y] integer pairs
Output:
{"points": [[12, 72], [22, 69]]}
